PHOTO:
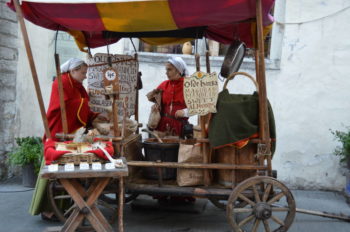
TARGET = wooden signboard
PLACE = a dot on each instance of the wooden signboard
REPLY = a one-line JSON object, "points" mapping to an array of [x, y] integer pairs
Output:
{"points": [[201, 93], [125, 69], [111, 81]]}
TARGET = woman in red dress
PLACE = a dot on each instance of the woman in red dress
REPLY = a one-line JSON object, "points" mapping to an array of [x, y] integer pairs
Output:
{"points": [[174, 112], [75, 97]]}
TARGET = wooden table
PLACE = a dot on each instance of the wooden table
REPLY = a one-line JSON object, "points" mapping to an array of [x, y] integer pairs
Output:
{"points": [[85, 199]]}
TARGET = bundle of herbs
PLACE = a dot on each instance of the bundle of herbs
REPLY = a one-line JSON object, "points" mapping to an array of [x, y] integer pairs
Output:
{"points": [[28, 151], [343, 151]]}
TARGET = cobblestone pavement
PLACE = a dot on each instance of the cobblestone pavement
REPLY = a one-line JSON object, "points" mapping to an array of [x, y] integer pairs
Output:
{"points": [[145, 215]]}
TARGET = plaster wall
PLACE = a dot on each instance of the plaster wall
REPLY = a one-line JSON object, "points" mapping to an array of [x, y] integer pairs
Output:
{"points": [[8, 68], [310, 91], [307, 84], [43, 47]]}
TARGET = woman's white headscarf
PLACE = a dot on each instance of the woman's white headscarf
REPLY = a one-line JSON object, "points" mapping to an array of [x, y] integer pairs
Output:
{"points": [[179, 64], [71, 64]]}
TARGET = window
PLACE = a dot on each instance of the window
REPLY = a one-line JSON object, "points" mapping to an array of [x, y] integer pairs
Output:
{"points": [[216, 49], [172, 49]]}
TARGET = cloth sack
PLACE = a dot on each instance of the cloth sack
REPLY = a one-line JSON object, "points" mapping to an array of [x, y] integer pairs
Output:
{"points": [[190, 154], [154, 118]]}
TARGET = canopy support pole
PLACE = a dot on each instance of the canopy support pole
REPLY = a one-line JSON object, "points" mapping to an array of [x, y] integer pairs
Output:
{"points": [[205, 150], [32, 67], [263, 114], [61, 94]]}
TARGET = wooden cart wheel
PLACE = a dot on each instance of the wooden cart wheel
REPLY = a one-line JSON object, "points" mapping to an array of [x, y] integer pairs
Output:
{"points": [[219, 203], [111, 195], [113, 198], [222, 203], [62, 204], [261, 193]]}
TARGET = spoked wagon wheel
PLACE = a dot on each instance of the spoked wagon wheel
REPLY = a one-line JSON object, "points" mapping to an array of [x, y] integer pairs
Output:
{"points": [[62, 204], [111, 195], [222, 203], [112, 198], [261, 212]]}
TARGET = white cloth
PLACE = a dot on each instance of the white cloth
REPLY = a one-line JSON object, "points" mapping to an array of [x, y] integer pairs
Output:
{"points": [[71, 64], [179, 64], [185, 113]]}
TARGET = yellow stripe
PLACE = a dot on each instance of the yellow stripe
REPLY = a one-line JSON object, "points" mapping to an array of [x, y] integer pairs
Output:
{"points": [[79, 39], [266, 30], [70, 80], [136, 16], [165, 40], [81, 104]]}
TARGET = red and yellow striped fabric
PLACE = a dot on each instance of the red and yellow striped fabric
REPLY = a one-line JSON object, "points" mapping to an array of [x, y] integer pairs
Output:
{"points": [[97, 23]]}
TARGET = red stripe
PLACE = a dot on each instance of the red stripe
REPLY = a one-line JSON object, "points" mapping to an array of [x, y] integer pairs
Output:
{"points": [[219, 16], [227, 33], [84, 17], [198, 12]]}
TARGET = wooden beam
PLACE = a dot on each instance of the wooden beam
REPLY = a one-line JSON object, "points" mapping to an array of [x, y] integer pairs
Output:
{"points": [[61, 94], [263, 116], [194, 165], [32, 67]]}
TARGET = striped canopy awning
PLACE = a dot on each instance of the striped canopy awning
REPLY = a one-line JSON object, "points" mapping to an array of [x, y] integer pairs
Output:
{"points": [[98, 23]]}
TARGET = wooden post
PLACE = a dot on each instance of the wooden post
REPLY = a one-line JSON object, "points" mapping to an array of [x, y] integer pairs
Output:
{"points": [[121, 205], [202, 122], [137, 95], [61, 94], [116, 131], [32, 67], [207, 61], [263, 119], [263, 114], [198, 65], [122, 148]]}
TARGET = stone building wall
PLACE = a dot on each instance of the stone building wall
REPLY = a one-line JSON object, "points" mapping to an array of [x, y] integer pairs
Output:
{"points": [[8, 70]]}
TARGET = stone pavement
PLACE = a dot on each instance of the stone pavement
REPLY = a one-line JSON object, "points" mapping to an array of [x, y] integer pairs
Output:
{"points": [[15, 200]]}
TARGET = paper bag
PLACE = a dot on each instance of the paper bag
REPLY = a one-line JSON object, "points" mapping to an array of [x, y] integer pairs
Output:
{"points": [[190, 154]]}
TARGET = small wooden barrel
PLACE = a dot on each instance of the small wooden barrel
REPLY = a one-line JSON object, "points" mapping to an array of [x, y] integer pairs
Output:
{"points": [[232, 155]]}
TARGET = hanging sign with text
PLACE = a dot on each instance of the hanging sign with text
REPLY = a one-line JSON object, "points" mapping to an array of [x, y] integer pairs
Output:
{"points": [[201, 93], [125, 68]]}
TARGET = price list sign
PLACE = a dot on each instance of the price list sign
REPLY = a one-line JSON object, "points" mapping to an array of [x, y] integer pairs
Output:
{"points": [[201, 93], [125, 69]]}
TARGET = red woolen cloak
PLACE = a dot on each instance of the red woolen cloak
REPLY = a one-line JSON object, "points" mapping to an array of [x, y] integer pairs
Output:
{"points": [[77, 107]]}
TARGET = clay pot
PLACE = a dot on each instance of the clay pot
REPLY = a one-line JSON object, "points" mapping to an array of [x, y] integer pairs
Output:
{"points": [[187, 48], [147, 47]]}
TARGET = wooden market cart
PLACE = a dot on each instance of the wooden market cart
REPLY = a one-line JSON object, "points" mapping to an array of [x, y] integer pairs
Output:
{"points": [[251, 199]]}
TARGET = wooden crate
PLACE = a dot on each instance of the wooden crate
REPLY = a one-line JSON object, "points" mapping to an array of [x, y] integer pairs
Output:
{"points": [[232, 155]]}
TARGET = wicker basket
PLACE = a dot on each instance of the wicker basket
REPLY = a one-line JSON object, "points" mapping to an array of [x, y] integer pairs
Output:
{"points": [[74, 147], [78, 158], [78, 154]]}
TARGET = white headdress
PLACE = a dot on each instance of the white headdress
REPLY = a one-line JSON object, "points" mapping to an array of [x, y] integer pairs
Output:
{"points": [[71, 64], [180, 65]]}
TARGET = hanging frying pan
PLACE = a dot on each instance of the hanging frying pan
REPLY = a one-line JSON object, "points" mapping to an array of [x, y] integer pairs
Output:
{"points": [[233, 58]]}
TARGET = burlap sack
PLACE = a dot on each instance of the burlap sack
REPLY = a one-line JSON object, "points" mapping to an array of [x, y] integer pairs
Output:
{"points": [[190, 154]]}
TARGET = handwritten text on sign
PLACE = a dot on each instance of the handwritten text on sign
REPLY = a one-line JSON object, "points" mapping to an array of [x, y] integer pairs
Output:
{"points": [[127, 68], [201, 93]]}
